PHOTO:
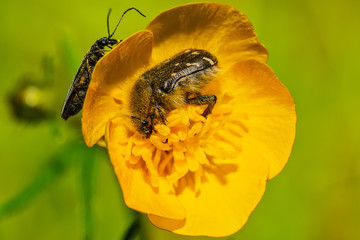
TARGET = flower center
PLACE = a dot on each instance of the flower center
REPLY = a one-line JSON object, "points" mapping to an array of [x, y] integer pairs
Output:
{"points": [[188, 146]]}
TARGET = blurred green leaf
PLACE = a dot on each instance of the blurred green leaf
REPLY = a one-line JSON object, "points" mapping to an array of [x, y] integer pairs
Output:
{"points": [[55, 166]]}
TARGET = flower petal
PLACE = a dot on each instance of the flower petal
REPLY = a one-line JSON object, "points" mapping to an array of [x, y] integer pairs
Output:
{"points": [[226, 199], [269, 130], [135, 181], [110, 79], [267, 111], [218, 28]]}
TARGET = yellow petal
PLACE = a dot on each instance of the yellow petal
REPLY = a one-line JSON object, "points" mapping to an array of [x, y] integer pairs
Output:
{"points": [[269, 126], [264, 113], [218, 28], [138, 192], [104, 98], [224, 201]]}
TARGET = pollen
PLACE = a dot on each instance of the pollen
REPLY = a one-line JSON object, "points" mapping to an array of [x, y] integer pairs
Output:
{"points": [[188, 147]]}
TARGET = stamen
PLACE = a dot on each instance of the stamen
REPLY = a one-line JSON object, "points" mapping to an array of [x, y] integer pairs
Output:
{"points": [[178, 155], [166, 160], [137, 150], [180, 150], [129, 149], [134, 160], [197, 179], [195, 129], [162, 129], [156, 141], [192, 162], [157, 158], [201, 156], [182, 135], [224, 109], [173, 138]]}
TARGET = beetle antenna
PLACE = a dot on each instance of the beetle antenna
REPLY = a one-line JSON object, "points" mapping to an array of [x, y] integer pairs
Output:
{"points": [[108, 16], [121, 19]]}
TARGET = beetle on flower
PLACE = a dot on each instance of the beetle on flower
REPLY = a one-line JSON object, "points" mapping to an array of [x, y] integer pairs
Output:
{"points": [[193, 173]]}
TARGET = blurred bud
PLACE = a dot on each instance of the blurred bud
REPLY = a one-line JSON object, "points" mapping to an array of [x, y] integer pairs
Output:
{"points": [[31, 99], [27, 103]]}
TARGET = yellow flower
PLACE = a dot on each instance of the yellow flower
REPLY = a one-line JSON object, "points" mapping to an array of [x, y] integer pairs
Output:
{"points": [[194, 175]]}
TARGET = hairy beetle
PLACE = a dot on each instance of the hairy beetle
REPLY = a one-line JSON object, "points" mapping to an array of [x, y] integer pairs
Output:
{"points": [[170, 85]]}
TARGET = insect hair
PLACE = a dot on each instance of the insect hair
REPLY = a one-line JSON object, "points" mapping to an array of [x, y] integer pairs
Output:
{"points": [[108, 17]]}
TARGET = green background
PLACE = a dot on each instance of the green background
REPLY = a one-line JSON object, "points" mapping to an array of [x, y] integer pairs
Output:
{"points": [[53, 187]]}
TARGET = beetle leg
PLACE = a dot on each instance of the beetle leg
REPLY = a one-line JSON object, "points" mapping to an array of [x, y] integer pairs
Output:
{"points": [[202, 100], [144, 127], [161, 114], [152, 116]]}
